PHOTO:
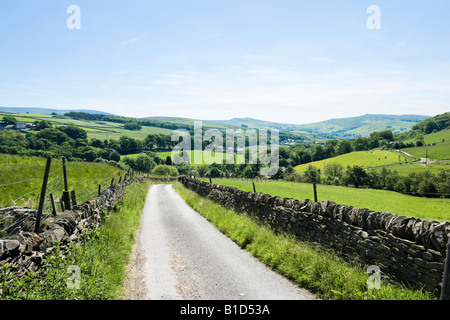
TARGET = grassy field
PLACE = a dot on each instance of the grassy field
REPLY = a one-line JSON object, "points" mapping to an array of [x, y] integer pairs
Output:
{"points": [[94, 129], [406, 169], [440, 151], [309, 265], [367, 159], [83, 177], [376, 200]]}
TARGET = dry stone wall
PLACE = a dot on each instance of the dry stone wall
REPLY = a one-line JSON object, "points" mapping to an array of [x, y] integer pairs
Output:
{"points": [[408, 249], [24, 250]]}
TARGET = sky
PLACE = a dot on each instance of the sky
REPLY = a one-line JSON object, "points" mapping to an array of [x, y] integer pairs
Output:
{"points": [[289, 61]]}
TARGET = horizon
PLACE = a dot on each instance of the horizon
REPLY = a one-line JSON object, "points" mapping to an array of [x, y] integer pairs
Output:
{"points": [[292, 62], [217, 120]]}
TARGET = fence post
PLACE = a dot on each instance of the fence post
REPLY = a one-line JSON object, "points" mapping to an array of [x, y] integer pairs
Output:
{"points": [[52, 200], [42, 199], [315, 192], [74, 198], [99, 189], [445, 289], [112, 182], [66, 195], [254, 189], [210, 181]]}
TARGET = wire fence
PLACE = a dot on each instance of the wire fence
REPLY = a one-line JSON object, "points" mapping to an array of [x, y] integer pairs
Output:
{"points": [[42, 200]]}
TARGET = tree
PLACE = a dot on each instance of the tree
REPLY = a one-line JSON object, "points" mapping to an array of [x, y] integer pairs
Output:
{"points": [[74, 132], [356, 175], [333, 173], [165, 170], [8, 120], [202, 170], [312, 174], [343, 147], [427, 188], [144, 163], [96, 143], [42, 124], [248, 172]]}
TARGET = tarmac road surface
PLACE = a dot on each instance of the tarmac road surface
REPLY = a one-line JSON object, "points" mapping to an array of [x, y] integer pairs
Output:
{"points": [[179, 255]]}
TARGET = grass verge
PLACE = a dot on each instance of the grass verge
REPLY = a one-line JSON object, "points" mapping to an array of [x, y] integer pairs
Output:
{"points": [[102, 261], [309, 265]]}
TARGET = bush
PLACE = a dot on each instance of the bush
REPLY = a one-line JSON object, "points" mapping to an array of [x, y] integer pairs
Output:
{"points": [[165, 170]]}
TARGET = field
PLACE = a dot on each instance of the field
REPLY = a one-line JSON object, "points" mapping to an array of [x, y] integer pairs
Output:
{"points": [[376, 200], [406, 169], [95, 129], [439, 151], [367, 159], [83, 177]]}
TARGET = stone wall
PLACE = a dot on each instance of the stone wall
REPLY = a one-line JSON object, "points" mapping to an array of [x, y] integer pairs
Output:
{"points": [[25, 250], [408, 249]]}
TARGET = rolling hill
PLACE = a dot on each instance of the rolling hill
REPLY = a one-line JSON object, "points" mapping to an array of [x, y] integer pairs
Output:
{"points": [[48, 111], [340, 128]]}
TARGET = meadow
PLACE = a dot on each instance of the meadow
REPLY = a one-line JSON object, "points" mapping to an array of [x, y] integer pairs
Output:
{"points": [[95, 129], [439, 151], [376, 200], [83, 177], [366, 159]]}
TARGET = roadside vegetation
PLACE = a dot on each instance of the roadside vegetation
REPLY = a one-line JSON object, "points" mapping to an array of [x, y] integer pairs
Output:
{"points": [[102, 259], [309, 265]]}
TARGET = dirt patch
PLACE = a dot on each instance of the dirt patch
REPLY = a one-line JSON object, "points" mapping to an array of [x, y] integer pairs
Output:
{"points": [[134, 286]]}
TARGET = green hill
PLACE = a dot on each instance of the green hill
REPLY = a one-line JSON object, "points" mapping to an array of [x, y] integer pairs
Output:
{"points": [[341, 128]]}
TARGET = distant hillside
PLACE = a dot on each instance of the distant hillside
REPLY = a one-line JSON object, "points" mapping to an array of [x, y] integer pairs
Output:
{"points": [[340, 128], [49, 111]]}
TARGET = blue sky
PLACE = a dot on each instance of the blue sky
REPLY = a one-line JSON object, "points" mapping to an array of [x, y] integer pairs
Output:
{"points": [[292, 61]]}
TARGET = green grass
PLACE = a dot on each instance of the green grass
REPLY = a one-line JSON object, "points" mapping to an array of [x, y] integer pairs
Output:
{"points": [[406, 169], [367, 159], [309, 265], [376, 200], [95, 129], [102, 260], [440, 151], [83, 178]]}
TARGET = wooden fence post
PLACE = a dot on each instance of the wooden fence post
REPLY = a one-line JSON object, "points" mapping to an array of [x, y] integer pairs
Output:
{"points": [[42, 198], [74, 198], [112, 182], [99, 189], [66, 195], [52, 200], [254, 189], [315, 192]]}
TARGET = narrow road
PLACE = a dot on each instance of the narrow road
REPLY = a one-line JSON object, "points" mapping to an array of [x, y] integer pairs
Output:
{"points": [[179, 255]]}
